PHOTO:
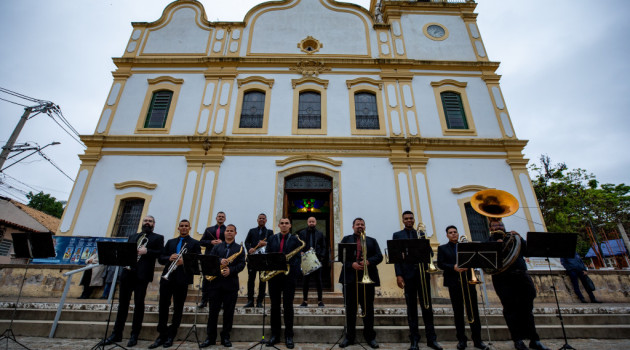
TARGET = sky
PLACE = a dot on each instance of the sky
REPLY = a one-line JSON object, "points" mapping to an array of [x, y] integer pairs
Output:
{"points": [[564, 66]]}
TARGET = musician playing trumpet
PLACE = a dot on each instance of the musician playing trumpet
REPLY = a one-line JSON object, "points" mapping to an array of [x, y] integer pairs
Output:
{"points": [[463, 294], [254, 243], [224, 288], [174, 283]]}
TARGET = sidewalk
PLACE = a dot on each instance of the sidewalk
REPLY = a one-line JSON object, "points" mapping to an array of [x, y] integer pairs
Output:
{"points": [[86, 344]]}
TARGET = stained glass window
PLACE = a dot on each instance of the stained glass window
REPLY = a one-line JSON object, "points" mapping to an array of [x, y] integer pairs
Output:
{"points": [[310, 111]]}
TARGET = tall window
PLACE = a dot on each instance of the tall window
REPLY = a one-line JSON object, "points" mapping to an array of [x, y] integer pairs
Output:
{"points": [[453, 110], [366, 110], [128, 217], [310, 111], [158, 110], [253, 110], [477, 223]]}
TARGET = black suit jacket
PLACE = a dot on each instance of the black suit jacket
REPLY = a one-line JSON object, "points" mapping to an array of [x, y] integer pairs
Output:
{"points": [[209, 235], [291, 243], [374, 256], [407, 271], [230, 282], [314, 239], [253, 237], [179, 275], [146, 265], [446, 261]]}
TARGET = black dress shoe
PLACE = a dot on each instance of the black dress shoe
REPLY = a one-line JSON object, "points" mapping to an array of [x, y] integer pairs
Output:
{"points": [[414, 344], [226, 342], [373, 344], [249, 304], [114, 338], [273, 340], [202, 305], [207, 343], [259, 304], [345, 342], [461, 345], [133, 340], [537, 345], [482, 346], [159, 341], [434, 345], [519, 345], [168, 343], [289, 342]]}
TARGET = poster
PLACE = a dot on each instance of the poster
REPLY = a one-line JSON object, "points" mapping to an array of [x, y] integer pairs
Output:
{"points": [[75, 249]]}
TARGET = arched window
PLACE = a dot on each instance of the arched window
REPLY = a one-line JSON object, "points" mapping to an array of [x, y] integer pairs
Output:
{"points": [[252, 110], [453, 110], [128, 217], [310, 110], [158, 109], [366, 110]]}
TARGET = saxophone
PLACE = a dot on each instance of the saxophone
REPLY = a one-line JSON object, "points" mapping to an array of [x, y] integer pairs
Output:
{"points": [[267, 275], [225, 267]]}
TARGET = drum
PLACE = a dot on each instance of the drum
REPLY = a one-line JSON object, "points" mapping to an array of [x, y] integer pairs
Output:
{"points": [[310, 263]]}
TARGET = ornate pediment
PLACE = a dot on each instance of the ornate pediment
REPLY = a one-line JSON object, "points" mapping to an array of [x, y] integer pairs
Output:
{"points": [[310, 68]]}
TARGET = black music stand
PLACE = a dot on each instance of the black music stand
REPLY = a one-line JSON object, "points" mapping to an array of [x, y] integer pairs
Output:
{"points": [[552, 245], [345, 252], [409, 251], [115, 254], [203, 265], [27, 245], [266, 262]]}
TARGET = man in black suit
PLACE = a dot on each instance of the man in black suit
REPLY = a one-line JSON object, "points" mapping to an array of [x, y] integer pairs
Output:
{"points": [[212, 236], [447, 261], [351, 274], [176, 286], [517, 292], [224, 288], [282, 287], [136, 280], [313, 239], [256, 237], [408, 278]]}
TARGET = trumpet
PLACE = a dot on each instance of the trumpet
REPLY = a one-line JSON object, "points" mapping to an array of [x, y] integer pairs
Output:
{"points": [[229, 261], [173, 265], [472, 281], [142, 243], [366, 276], [426, 299]]}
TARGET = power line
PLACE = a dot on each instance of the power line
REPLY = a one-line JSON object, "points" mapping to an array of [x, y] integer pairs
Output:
{"points": [[15, 103], [19, 95], [53, 163]]}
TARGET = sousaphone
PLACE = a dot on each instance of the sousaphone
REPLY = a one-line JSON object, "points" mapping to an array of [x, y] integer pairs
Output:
{"points": [[497, 204]]}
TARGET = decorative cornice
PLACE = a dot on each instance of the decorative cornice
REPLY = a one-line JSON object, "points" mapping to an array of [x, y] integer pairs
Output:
{"points": [[350, 83], [164, 79], [322, 82], [308, 157], [252, 79], [135, 183], [310, 68], [468, 188], [460, 84]]}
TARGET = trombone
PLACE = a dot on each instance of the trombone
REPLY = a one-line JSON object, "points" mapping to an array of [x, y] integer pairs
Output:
{"points": [[463, 280], [366, 276], [424, 285]]}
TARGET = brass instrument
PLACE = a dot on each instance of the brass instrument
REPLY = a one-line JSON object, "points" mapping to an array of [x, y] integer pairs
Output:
{"points": [[497, 204], [472, 281], [267, 275], [366, 276], [173, 264], [431, 269], [258, 249], [141, 243], [229, 259]]}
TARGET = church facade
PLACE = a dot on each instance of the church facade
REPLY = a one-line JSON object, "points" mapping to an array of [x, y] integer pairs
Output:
{"points": [[305, 108]]}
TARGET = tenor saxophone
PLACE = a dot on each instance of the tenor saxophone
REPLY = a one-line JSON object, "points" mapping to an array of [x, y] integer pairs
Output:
{"points": [[229, 259], [267, 275]]}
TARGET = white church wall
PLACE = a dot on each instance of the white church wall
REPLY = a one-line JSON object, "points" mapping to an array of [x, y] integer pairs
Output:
{"points": [[167, 172], [456, 47], [181, 33]]}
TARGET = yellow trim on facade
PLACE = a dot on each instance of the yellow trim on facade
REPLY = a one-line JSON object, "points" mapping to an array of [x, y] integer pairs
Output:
{"points": [[468, 188], [471, 18], [119, 78], [253, 84], [165, 79], [255, 79], [492, 81], [135, 183], [308, 157], [222, 107], [406, 109], [157, 84], [461, 203], [210, 107], [89, 167], [308, 85], [372, 86], [453, 86], [116, 207], [395, 108], [306, 80], [519, 166]]}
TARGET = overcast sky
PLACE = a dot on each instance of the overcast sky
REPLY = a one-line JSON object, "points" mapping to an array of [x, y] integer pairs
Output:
{"points": [[566, 78]]}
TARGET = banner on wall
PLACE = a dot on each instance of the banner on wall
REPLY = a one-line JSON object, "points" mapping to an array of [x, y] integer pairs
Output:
{"points": [[75, 249]]}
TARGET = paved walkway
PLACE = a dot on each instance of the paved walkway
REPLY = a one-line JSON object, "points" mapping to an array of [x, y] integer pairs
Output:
{"points": [[86, 344]]}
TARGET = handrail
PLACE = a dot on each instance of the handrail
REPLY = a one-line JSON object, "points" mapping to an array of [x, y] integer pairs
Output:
{"points": [[87, 267]]}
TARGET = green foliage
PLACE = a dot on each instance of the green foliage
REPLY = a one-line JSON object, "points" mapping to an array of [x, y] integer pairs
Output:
{"points": [[571, 200], [46, 203]]}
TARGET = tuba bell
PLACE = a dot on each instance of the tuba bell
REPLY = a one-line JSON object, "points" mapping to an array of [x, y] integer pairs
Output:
{"points": [[496, 204]]}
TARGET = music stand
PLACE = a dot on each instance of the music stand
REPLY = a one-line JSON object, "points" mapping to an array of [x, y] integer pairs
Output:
{"points": [[203, 265], [115, 254], [266, 262], [345, 252], [553, 245], [409, 251], [29, 246]]}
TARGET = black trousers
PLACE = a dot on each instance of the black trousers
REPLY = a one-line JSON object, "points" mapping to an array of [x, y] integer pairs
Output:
{"points": [[574, 276], [517, 292], [227, 298], [282, 291], [205, 291], [317, 276], [251, 284], [128, 285], [413, 294], [366, 300], [178, 292], [457, 301]]}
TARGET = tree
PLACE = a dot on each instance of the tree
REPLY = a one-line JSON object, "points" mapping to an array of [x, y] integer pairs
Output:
{"points": [[46, 203], [571, 200]]}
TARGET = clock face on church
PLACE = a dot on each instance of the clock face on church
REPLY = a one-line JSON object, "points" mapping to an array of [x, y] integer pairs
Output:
{"points": [[435, 31]]}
